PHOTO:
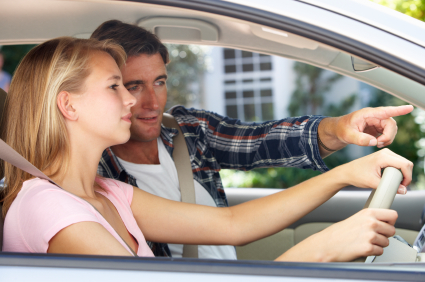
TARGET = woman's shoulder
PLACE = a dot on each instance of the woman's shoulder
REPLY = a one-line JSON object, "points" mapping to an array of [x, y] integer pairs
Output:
{"points": [[39, 196], [116, 187], [40, 210], [36, 187]]}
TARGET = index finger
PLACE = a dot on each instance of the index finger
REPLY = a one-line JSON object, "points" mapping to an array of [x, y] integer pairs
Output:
{"points": [[387, 112]]}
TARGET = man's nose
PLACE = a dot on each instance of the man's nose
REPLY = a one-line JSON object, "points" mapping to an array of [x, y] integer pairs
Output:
{"points": [[150, 99]]}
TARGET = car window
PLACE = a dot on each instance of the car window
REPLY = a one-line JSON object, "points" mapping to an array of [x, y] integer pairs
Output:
{"points": [[256, 87]]}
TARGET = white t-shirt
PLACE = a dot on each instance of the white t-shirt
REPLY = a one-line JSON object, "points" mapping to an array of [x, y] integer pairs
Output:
{"points": [[162, 180]]}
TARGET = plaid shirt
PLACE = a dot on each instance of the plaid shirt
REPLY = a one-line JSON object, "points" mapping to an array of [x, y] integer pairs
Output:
{"points": [[215, 142]]}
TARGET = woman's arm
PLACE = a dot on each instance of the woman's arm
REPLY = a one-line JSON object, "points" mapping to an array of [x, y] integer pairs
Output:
{"points": [[87, 238], [162, 220], [361, 235], [168, 221]]}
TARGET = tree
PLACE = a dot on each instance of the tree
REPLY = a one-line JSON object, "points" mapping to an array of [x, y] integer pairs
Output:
{"points": [[413, 8], [185, 74], [311, 88], [13, 55], [410, 127], [410, 139], [309, 98], [407, 141]]}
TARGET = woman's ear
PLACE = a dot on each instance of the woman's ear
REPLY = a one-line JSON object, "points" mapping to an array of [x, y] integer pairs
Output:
{"points": [[65, 106]]}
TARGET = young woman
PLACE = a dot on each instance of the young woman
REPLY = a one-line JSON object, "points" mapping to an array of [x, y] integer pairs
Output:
{"points": [[67, 103]]}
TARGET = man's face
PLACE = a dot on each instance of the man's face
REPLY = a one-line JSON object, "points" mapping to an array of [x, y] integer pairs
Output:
{"points": [[144, 76]]}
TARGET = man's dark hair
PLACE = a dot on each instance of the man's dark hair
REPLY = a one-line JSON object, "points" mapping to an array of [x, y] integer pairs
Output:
{"points": [[134, 39]]}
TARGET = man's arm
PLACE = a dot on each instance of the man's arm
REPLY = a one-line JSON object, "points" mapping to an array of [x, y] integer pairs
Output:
{"points": [[222, 142], [365, 127]]}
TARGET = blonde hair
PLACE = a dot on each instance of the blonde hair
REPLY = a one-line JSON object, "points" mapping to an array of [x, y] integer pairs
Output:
{"points": [[33, 124]]}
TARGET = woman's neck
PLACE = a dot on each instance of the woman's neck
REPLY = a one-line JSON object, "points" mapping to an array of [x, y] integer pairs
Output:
{"points": [[79, 178]]}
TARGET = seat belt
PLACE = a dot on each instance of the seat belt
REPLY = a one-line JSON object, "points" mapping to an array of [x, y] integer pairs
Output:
{"points": [[184, 171], [9, 155]]}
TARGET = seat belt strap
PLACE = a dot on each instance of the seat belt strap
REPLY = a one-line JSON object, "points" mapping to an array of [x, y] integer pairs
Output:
{"points": [[184, 171], [9, 155]]}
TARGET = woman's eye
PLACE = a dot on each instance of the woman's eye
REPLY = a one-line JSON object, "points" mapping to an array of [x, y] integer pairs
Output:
{"points": [[114, 86]]}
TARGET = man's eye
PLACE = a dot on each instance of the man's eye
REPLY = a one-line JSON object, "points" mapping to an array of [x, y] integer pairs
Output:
{"points": [[133, 88], [160, 83]]}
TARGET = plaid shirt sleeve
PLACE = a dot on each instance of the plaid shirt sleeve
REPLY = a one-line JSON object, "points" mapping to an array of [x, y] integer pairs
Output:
{"points": [[290, 142]]}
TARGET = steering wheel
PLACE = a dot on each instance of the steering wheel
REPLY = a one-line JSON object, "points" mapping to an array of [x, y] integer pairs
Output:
{"points": [[383, 196]]}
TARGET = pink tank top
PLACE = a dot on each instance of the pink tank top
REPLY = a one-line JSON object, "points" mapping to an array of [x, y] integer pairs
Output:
{"points": [[42, 209]]}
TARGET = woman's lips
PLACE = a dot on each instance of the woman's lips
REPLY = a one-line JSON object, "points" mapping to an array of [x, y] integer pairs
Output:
{"points": [[127, 118]]}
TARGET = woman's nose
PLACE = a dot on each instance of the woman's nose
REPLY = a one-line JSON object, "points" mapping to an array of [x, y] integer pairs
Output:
{"points": [[129, 100]]}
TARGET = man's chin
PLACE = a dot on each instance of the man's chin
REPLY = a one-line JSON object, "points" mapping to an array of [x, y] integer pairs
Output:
{"points": [[144, 137], [145, 140], [145, 133]]}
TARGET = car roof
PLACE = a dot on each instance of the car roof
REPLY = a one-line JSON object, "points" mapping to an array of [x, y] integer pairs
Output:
{"points": [[378, 16], [362, 10], [324, 33]]}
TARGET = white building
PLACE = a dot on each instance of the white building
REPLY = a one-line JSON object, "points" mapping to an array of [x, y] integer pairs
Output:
{"points": [[256, 87]]}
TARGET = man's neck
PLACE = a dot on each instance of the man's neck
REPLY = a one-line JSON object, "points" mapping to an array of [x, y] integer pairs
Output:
{"points": [[138, 152]]}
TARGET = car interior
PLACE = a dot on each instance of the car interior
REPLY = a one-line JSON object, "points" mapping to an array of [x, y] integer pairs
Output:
{"points": [[184, 26]]}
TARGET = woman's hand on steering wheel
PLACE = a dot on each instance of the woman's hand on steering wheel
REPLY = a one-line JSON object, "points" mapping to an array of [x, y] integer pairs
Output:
{"points": [[366, 172]]}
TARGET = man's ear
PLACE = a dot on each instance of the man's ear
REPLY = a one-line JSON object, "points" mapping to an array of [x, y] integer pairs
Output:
{"points": [[65, 106]]}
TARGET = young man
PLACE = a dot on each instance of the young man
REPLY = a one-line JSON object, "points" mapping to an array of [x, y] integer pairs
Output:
{"points": [[216, 142]]}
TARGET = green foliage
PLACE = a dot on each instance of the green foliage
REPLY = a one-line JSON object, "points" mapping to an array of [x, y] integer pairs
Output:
{"points": [[311, 86], [185, 72], [13, 55], [274, 177], [413, 8], [307, 99], [408, 132]]}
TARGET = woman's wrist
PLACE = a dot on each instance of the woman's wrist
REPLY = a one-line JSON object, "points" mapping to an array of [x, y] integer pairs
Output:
{"points": [[312, 249], [337, 178], [342, 175]]}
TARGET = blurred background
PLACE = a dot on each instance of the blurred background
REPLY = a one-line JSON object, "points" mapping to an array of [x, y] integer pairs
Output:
{"points": [[257, 87]]}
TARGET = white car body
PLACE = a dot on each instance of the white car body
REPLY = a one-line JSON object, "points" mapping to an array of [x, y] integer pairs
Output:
{"points": [[324, 33]]}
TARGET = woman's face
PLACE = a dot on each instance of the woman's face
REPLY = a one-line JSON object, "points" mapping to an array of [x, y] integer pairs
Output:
{"points": [[104, 107]]}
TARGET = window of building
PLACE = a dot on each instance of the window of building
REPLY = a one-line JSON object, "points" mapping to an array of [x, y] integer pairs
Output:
{"points": [[236, 61], [229, 53], [247, 90], [230, 95], [265, 66], [230, 69]]}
